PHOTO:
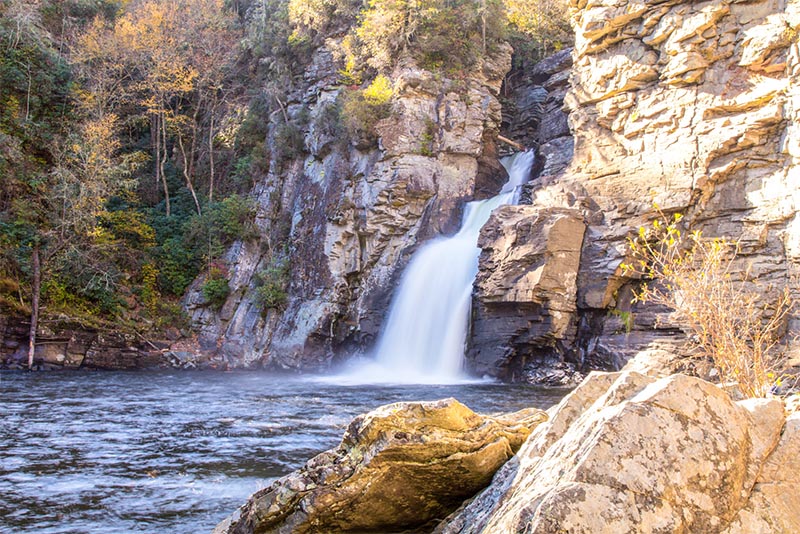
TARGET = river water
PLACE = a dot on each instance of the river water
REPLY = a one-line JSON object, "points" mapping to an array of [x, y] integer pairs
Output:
{"points": [[176, 452]]}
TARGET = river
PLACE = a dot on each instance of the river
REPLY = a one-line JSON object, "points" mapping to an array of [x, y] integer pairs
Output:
{"points": [[175, 451]]}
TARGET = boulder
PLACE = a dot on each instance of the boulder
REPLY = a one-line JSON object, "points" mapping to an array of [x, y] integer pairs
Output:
{"points": [[774, 504], [397, 468], [626, 452]]}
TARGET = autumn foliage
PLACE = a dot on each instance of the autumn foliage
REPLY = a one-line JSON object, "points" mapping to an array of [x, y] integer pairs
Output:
{"points": [[724, 310]]}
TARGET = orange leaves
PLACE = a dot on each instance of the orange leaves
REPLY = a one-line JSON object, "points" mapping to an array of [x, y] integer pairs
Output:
{"points": [[160, 49]]}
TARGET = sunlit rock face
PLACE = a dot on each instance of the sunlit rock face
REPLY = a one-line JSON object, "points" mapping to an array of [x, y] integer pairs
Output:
{"points": [[692, 107], [689, 106], [350, 214], [625, 452], [397, 468]]}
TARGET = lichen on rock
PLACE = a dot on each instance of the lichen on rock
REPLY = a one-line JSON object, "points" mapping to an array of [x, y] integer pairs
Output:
{"points": [[628, 453], [398, 467]]}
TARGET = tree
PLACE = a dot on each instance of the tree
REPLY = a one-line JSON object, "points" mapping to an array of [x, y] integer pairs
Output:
{"points": [[168, 64], [538, 27]]}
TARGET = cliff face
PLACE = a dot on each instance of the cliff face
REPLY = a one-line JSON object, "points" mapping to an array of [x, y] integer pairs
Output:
{"points": [[348, 216], [692, 107], [689, 106]]}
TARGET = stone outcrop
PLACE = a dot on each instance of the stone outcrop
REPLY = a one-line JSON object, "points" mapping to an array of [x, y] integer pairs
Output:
{"points": [[690, 106], [348, 215], [68, 345], [524, 305], [775, 500], [693, 107], [397, 468], [526, 288], [625, 452]]}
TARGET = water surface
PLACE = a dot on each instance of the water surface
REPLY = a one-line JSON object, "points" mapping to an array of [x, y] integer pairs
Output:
{"points": [[175, 452]]}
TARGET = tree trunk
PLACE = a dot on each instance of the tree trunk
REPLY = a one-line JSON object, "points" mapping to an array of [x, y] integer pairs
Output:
{"points": [[483, 24], [187, 173], [155, 137], [35, 290], [211, 155], [28, 98], [163, 161]]}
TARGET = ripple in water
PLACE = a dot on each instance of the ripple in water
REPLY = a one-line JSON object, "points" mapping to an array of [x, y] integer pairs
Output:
{"points": [[176, 452]]}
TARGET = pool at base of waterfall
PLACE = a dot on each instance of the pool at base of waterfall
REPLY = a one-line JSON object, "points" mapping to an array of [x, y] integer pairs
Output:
{"points": [[178, 451]]}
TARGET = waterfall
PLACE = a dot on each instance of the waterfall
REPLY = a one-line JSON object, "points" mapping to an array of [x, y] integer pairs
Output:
{"points": [[424, 336]]}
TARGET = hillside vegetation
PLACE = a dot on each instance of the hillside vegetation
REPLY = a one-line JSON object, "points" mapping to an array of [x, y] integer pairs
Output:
{"points": [[131, 131]]}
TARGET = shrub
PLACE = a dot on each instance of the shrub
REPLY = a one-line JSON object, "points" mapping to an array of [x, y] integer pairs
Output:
{"points": [[428, 138], [271, 285], [452, 32], [538, 27], [215, 289], [361, 109], [289, 142], [149, 292], [721, 309]]}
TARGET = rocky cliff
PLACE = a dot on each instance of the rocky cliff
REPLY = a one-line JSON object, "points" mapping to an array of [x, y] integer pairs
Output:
{"points": [[692, 107], [689, 106], [346, 216]]}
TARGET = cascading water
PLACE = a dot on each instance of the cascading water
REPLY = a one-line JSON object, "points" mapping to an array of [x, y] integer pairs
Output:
{"points": [[424, 336]]}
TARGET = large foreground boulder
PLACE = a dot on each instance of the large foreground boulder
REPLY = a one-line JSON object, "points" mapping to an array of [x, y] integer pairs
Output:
{"points": [[398, 467], [629, 453]]}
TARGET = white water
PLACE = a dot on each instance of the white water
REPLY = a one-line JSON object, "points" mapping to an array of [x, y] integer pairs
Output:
{"points": [[424, 336]]}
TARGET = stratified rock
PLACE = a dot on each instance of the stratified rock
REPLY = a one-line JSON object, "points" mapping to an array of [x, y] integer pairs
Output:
{"points": [[690, 106], [397, 467], [348, 214], [626, 453], [69, 345], [526, 287]]}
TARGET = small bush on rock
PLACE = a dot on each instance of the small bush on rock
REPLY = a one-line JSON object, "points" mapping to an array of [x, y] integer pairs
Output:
{"points": [[729, 320], [216, 289], [271, 285], [361, 109]]}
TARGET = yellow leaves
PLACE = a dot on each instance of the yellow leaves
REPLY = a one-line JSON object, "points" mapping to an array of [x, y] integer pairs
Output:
{"points": [[723, 308], [379, 92]]}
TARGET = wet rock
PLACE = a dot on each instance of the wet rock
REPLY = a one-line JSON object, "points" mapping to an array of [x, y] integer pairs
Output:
{"points": [[397, 468], [552, 374]]}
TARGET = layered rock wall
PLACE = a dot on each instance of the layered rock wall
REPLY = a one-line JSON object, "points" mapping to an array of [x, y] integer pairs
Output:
{"points": [[348, 215], [688, 106], [73, 346]]}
